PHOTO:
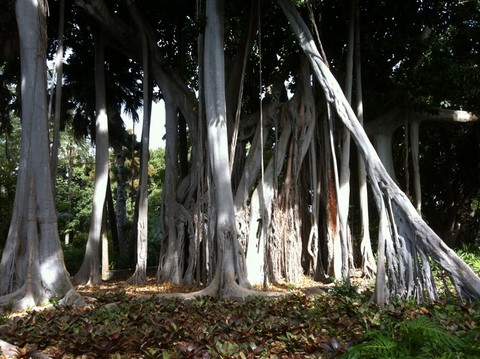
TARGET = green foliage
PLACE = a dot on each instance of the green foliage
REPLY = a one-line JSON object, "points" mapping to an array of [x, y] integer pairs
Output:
{"points": [[9, 154], [417, 338], [74, 190], [73, 255], [157, 163], [345, 289], [471, 256], [7, 307], [55, 301]]}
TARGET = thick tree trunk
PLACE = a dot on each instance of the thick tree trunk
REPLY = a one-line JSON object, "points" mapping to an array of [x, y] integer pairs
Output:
{"points": [[89, 272], [341, 248], [140, 274], [168, 268], [32, 268], [230, 273], [408, 241]]}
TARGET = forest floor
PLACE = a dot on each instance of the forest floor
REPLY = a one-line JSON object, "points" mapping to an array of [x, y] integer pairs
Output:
{"points": [[312, 320]]}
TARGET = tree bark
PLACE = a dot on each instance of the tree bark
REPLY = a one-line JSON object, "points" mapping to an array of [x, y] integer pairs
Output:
{"points": [[58, 95], [32, 268], [89, 272], [367, 258], [121, 201], [140, 274], [404, 223], [230, 259]]}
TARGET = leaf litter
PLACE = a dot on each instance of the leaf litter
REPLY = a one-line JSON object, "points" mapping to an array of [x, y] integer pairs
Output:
{"points": [[309, 321]]}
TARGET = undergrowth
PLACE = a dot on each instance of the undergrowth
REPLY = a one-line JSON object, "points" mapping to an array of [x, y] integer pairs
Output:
{"points": [[330, 325]]}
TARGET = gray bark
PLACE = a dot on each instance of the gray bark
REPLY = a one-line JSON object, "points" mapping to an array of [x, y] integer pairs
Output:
{"points": [[168, 268], [140, 274], [32, 268], [403, 221], [121, 203], [230, 266], [58, 95], [89, 272], [368, 260]]}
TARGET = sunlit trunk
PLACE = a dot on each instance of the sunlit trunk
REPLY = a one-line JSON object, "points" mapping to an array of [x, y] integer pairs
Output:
{"points": [[32, 268], [89, 272], [140, 274], [230, 258]]}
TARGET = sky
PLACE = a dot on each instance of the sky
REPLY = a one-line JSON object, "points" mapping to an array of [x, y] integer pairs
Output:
{"points": [[157, 125]]}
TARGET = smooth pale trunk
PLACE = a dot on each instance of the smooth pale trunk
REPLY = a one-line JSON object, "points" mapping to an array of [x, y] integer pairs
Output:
{"points": [[105, 257], [383, 127], [140, 274], [32, 268], [121, 203], [342, 252], [229, 267], [89, 272]]}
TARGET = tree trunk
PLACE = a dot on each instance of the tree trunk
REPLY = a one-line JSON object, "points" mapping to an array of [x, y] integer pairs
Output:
{"points": [[105, 257], [89, 272], [168, 268], [140, 274], [121, 201], [110, 214], [383, 127], [341, 254], [32, 268], [368, 261], [58, 95], [230, 273], [408, 240], [71, 152]]}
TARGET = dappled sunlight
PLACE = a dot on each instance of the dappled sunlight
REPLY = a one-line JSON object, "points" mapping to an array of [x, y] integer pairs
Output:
{"points": [[49, 271], [119, 286]]}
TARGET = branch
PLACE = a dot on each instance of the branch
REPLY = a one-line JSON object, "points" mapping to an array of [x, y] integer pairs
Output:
{"points": [[118, 35], [126, 40], [389, 122]]}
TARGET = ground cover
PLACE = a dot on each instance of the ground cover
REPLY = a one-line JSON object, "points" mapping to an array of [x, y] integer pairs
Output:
{"points": [[123, 321]]}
